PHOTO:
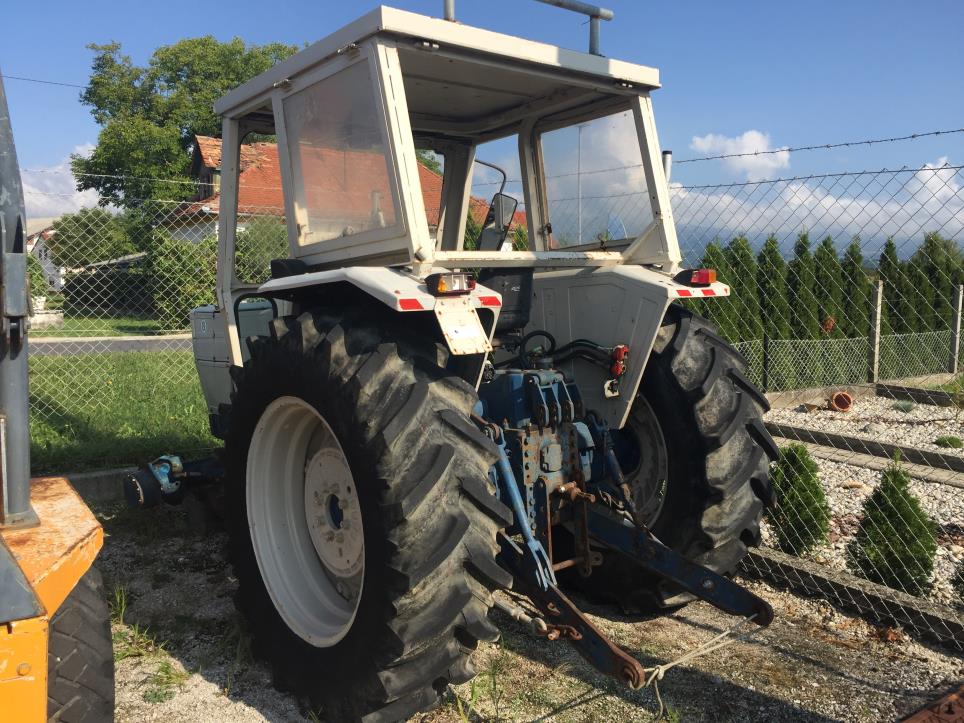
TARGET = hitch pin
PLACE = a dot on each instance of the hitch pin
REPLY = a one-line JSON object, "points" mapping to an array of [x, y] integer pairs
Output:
{"points": [[536, 625]]}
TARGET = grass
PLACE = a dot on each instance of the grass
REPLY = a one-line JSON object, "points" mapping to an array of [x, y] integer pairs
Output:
{"points": [[81, 325], [164, 683], [94, 411], [949, 442]]}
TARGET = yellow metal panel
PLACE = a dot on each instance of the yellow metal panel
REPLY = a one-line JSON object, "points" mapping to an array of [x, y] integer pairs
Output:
{"points": [[23, 670], [53, 557]]}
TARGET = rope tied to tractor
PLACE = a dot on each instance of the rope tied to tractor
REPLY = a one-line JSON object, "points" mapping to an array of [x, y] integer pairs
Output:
{"points": [[727, 637]]}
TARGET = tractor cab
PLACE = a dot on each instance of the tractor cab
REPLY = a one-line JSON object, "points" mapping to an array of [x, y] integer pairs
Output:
{"points": [[352, 112]]}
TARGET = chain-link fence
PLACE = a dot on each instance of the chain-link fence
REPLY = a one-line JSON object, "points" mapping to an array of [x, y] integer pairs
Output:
{"points": [[851, 283], [840, 282]]}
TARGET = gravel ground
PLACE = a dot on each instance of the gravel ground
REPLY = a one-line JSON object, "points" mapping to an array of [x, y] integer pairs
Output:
{"points": [[849, 486], [876, 419], [185, 654]]}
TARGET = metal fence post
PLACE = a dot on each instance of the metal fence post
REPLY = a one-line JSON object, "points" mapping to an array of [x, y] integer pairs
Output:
{"points": [[956, 330], [873, 339]]}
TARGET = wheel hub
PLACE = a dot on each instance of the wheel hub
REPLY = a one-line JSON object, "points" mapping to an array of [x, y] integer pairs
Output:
{"points": [[332, 513]]}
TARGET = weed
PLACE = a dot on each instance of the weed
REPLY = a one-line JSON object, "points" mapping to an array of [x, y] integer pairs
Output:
{"points": [[164, 683], [130, 641], [904, 405], [236, 641], [118, 607], [949, 442]]}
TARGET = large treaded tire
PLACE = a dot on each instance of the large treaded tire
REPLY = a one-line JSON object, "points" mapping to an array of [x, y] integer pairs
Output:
{"points": [[80, 656], [430, 516], [718, 452]]}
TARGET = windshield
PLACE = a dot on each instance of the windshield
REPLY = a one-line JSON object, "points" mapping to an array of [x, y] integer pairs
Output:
{"points": [[595, 185], [339, 163]]}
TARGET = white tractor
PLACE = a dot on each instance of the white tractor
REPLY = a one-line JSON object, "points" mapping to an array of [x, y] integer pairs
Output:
{"points": [[416, 416]]}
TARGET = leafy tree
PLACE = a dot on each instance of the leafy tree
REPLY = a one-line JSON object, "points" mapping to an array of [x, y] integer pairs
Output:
{"points": [[857, 291], [896, 543], [430, 160], [36, 278], [149, 115], [743, 292], [828, 275], [182, 275], [801, 278], [520, 238], [259, 240], [718, 311], [772, 285], [88, 236], [801, 518]]}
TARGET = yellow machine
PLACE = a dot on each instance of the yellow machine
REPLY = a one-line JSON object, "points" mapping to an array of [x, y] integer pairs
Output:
{"points": [[56, 661]]}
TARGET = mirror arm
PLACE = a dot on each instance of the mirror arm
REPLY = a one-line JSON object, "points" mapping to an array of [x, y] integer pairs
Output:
{"points": [[496, 168]]}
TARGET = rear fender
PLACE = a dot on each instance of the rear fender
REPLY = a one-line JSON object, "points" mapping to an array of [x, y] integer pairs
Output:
{"points": [[464, 331], [609, 306]]}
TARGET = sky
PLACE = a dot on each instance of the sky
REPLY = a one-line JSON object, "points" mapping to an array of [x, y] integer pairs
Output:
{"points": [[736, 76]]}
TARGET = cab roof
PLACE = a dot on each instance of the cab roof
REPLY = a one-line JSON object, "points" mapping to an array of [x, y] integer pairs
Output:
{"points": [[448, 36]]}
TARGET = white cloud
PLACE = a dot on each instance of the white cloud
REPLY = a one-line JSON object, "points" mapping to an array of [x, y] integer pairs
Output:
{"points": [[51, 191], [901, 204], [756, 167]]}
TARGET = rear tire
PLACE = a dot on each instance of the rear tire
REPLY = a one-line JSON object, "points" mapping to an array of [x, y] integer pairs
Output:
{"points": [[715, 452], [428, 513], [80, 656]]}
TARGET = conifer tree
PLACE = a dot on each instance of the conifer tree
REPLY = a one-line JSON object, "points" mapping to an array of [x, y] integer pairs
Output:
{"points": [[900, 315], [939, 260], [719, 311], [918, 296], [895, 544], [857, 292], [743, 292], [772, 285], [829, 287], [802, 517], [804, 319]]}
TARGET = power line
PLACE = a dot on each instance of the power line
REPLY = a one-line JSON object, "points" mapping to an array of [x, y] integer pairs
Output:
{"points": [[822, 146], [44, 82]]}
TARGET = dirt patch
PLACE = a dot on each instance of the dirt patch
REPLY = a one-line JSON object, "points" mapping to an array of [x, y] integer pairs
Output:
{"points": [[184, 653]]}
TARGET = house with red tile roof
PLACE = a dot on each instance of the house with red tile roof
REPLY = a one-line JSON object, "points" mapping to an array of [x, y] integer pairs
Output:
{"points": [[356, 195]]}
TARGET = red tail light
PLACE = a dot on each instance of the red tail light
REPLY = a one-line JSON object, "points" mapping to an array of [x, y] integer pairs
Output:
{"points": [[703, 277]]}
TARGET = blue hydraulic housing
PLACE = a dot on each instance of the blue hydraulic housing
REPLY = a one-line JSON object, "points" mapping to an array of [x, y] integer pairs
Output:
{"points": [[544, 444]]}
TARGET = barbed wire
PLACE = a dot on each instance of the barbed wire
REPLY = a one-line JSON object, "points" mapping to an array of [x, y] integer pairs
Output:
{"points": [[43, 82], [818, 176], [822, 146]]}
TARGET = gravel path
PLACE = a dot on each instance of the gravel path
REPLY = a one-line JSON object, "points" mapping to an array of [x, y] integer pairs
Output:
{"points": [[876, 419], [812, 664]]}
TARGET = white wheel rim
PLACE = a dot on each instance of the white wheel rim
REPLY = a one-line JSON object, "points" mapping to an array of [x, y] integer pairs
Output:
{"points": [[305, 521]]}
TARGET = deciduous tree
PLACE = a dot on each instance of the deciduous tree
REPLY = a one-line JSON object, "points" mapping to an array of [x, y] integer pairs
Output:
{"points": [[150, 114]]}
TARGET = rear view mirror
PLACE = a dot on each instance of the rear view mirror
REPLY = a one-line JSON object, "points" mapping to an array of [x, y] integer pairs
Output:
{"points": [[497, 222]]}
